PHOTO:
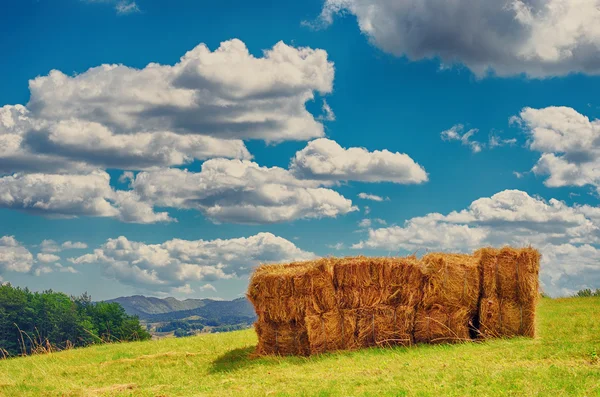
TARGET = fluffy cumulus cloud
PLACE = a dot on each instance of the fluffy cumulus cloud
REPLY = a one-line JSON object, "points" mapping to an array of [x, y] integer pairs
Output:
{"points": [[74, 245], [509, 217], [175, 264], [14, 256], [569, 143], [324, 159], [204, 106], [54, 151], [537, 37], [226, 93], [47, 258], [68, 196], [240, 192]]}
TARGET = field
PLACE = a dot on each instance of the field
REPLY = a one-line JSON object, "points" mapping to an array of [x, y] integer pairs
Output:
{"points": [[564, 360]]}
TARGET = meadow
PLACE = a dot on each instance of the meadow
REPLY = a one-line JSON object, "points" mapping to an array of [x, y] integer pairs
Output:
{"points": [[563, 360]]}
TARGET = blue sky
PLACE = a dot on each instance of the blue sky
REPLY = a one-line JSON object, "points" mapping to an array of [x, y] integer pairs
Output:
{"points": [[489, 123]]}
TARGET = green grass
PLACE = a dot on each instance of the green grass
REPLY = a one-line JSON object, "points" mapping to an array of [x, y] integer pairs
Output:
{"points": [[564, 360]]}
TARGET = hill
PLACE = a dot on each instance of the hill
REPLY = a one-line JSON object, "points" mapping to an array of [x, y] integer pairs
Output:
{"points": [[143, 306], [191, 314], [562, 361]]}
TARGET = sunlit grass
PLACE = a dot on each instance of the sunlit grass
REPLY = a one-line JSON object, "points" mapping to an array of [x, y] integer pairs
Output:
{"points": [[562, 361]]}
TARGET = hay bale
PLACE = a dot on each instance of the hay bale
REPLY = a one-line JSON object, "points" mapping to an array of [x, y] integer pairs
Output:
{"points": [[506, 318], [441, 324], [358, 272], [330, 331], [451, 280], [403, 282], [510, 290], [509, 273], [356, 297], [283, 339], [367, 282], [385, 325], [284, 293]]}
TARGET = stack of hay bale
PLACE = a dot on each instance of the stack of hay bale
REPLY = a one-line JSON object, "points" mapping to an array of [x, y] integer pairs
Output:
{"points": [[509, 291], [376, 300], [450, 296], [283, 295], [347, 303]]}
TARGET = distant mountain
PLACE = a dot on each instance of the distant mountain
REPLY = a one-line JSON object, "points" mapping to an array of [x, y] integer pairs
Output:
{"points": [[143, 306], [213, 312]]}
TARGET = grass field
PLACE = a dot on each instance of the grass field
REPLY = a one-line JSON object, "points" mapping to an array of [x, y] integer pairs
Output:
{"points": [[564, 360]]}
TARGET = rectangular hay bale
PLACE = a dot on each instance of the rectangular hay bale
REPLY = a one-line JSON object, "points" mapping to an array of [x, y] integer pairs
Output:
{"points": [[403, 282], [357, 272], [284, 293], [357, 297], [451, 280], [367, 282], [506, 318], [385, 325], [330, 331], [284, 339], [509, 273], [440, 324]]}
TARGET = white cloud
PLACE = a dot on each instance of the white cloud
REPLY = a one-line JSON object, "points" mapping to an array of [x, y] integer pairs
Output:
{"points": [[424, 232], [74, 245], [372, 197], [122, 7], [74, 195], [537, 37], [50, 246], [41, 270], [226, 93], [177, 263], [184, 290], [114, 116], [495, 141], [240, 192], [66, 269], [568, 268], [456, 134], [569, 144], [76, 146], [324, 159], [364, 223], [328, 114], [208, 287], [13, 256], [509, 217], [47, 258], [125, 7], [15, 152], [336, 246]]}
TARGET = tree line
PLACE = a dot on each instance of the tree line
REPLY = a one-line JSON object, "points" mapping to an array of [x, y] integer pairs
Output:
{"points": [[37, 322]]}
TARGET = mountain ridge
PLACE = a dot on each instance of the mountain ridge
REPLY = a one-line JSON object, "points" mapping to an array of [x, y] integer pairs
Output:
{"points": [[214, 312]]}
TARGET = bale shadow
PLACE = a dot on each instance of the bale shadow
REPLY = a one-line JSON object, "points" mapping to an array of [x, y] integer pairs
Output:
{"points": [[245, 357], [242, 358], [233, 360]]}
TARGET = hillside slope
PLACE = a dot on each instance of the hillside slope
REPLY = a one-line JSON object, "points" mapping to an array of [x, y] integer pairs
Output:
{"points": [[562, 361]]}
